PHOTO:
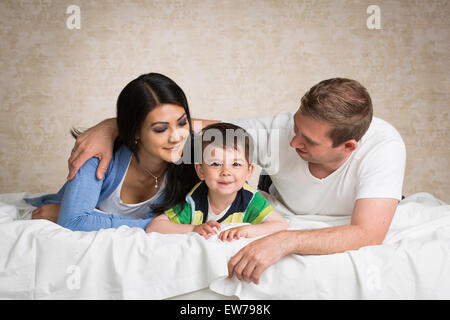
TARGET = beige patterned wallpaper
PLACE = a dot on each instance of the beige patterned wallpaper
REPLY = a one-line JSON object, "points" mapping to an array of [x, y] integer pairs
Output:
{"points": [[63, 67]]}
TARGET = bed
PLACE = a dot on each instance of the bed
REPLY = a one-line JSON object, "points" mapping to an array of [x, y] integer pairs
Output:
{"points": [[41, 260]]}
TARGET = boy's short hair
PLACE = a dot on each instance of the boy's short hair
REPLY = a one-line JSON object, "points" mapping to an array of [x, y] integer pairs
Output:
{"points": [[227, 135]]}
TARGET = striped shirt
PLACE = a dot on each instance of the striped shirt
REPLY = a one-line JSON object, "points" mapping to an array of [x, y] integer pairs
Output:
{"points": [[249, 206]]}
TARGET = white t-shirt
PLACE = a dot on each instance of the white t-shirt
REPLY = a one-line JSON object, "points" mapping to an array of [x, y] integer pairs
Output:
{"points": [[374, 170]]}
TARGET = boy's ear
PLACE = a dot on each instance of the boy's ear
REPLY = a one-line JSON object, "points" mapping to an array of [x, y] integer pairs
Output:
{"points": [[199, 170], [251, 169]]}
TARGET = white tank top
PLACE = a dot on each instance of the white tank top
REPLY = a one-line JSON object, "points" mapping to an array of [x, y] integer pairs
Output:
{"points": [[114, 205]]}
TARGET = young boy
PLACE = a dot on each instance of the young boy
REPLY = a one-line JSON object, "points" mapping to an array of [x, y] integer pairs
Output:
{"points": [[222, 195]]}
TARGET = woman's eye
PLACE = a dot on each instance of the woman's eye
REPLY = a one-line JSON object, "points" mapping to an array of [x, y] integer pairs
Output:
{"points": [[182, 123], [159, 130]]}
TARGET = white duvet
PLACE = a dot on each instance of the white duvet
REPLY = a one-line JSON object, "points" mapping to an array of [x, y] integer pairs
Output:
{"points": [[41, 260]]}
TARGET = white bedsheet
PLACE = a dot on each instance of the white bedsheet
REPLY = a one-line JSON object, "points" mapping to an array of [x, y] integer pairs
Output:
{"points": [[41, 260]]}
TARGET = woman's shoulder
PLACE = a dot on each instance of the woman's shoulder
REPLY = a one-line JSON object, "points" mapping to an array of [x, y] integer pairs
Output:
{"points": [[123, 153], [120, 160]]}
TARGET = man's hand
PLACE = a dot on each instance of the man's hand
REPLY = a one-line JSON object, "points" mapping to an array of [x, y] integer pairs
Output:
{"points": [[206, 229], [252, 260], [370, 221], [98, 142]]}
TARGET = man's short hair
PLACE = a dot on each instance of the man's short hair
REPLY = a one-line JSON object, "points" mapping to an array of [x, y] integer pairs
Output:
{"points": [[343, 103]]}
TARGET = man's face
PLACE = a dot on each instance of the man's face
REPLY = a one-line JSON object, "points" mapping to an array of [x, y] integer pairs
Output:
{"points": [[311, 141]]}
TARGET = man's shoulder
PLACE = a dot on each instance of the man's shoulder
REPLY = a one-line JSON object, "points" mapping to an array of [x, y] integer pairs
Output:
{"points": [[382, 129], [382, 140], [380, 133]]}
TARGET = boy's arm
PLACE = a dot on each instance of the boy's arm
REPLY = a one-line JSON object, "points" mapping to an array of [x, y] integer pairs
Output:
{"points": [[162, 224], [272, 223]]}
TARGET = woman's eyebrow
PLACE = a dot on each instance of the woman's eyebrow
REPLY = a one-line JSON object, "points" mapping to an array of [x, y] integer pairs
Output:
{"points": [[164, 122]]}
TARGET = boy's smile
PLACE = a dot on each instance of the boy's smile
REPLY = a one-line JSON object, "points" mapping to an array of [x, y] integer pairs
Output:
{"points": [[224, 170]]}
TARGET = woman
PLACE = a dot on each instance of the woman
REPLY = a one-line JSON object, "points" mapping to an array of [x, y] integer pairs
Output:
{"points": [[154, 124]]}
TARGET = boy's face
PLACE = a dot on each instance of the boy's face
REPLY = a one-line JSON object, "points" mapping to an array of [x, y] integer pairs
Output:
{"points": [[224, 170]]}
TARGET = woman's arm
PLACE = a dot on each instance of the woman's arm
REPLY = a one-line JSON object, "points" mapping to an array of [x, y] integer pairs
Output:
{"points": [[274, 222], [98, 142], [80, 198]]}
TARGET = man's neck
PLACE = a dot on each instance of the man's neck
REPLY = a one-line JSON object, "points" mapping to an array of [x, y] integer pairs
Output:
{"points": [[323, 170]]}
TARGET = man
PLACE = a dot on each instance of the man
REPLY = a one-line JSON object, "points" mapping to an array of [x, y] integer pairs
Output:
{"points": [[334, 158]]}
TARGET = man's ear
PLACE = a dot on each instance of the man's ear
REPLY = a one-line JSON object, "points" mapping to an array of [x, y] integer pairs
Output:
{"points": [[350, 145], [199, 170]]}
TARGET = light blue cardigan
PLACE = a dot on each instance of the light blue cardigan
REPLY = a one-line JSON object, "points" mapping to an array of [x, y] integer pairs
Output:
{"points": [[80, 196]]}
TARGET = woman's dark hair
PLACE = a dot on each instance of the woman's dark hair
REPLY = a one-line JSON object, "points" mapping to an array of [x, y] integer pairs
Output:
{"points": [[135, 101]]}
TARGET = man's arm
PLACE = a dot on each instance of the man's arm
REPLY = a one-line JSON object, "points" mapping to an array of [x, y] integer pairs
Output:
{"points": [[370, 222], [98, 142]]}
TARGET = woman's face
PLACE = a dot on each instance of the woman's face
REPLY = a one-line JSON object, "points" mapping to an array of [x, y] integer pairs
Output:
{"points": [[164, 133]]}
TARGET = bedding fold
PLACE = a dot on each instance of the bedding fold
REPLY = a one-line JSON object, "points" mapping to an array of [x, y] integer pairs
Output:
{"points": [[42, 260]]}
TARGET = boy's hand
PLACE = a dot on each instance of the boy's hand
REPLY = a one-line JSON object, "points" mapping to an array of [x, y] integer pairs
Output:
{"points": [[237, 233], [206, 229]]}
